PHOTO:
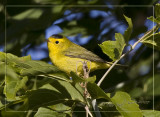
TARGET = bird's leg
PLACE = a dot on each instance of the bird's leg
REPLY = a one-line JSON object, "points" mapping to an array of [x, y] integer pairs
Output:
{"points": [[86, 94], [86, 71]]}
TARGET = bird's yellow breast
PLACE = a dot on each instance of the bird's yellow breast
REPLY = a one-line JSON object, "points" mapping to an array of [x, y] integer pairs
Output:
{"points": [[69, 64]]}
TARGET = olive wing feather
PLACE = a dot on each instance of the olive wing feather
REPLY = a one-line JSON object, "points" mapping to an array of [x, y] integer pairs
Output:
{"points": [[77, 51]]}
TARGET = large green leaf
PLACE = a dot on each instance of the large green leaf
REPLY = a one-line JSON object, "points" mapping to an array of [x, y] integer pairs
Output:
{"points": [[36, 67], [114, 49], [128, 32], [152, 41], [53, 93], [121, 100], [124, 104]]}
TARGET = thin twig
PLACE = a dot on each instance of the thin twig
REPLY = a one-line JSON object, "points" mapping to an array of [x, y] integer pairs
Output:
{"points": [[101, 80]]}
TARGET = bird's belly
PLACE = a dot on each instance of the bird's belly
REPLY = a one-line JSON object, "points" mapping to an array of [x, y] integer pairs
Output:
{"points": [[69, 64]]}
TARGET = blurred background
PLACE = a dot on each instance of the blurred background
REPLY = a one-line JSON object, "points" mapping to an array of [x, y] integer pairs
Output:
{"points": [[25, 25]]}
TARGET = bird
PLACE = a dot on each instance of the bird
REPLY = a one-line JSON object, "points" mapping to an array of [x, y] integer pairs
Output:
{"points": [[68, 56]]}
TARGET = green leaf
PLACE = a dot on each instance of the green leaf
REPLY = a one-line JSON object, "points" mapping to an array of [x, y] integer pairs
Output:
{"points": [[95, 91], [12, 85], [72, 28], [128, 32], [151, 113], [57, 92], [30, 14], [91, 79], [121, 100], [136, 92], [11, 113], [6, 70], [8, 57], [48, 2], [36, 67], [157, 20], [1, 105], [60, 107], [106, 109], [27, 67], [125, 105], [114, 49], [152, 41], [45, 112], [77, 79], [59, 76], [149, 85], [157, 10]]}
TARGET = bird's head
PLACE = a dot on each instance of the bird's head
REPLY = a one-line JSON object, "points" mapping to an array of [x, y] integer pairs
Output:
{"points": [[58, 43]]}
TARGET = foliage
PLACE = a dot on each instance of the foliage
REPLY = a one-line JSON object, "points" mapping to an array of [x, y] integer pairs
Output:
{"points": [[35, 88]]}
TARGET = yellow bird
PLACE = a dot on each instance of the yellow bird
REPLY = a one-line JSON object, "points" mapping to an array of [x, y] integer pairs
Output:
{"points": [[69, 56]]}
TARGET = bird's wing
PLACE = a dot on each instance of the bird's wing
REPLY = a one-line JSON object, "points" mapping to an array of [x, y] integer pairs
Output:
{"points": [[77, 51]]}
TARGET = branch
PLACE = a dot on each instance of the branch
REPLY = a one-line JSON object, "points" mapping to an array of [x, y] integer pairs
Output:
{"points": [[123, 55]]}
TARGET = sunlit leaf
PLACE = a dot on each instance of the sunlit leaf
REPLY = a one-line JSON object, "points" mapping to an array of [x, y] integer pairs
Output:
{"points": [[152, 41], [12, 84], [128, 32], [125, 105], [114, 49], [157, 20]]}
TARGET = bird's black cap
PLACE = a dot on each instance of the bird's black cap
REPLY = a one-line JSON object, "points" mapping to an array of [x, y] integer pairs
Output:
{"points": [[57, 36]]}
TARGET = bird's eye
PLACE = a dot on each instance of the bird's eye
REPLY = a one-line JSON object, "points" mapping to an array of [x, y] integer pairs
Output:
{"points": [[57, 42]]}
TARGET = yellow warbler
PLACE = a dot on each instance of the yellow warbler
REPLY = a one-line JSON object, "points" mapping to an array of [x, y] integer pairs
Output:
{"points": [[69, 56]]}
